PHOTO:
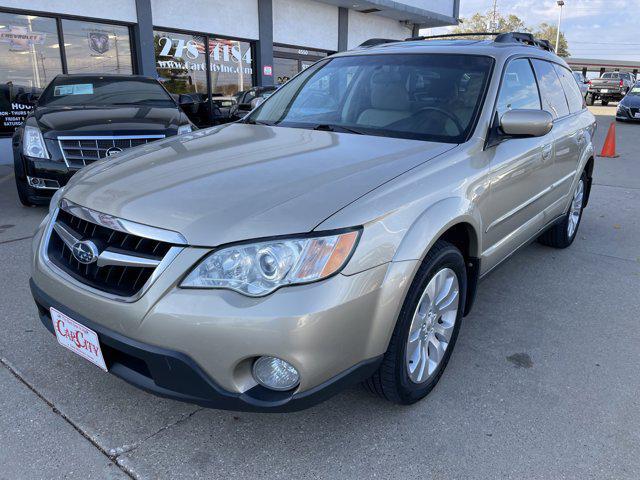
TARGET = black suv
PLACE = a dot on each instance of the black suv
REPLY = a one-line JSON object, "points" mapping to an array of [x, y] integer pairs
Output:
{"points": [[79, 119]]}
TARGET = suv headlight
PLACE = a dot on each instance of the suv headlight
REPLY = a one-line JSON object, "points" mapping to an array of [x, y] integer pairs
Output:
{"points": [[184, 129], [33, 143], [257, 269]]}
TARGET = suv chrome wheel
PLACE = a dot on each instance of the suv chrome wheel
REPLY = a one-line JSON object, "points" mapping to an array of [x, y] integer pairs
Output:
{"points": [[575, 209], [432, 326]]}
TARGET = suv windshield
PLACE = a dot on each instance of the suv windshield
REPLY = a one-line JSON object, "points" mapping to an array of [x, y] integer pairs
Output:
{"points": [[104, 91], [419, 96]]}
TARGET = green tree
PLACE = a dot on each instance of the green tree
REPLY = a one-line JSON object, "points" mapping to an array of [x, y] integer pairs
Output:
{"points": [[545, 31], [489, 23]]}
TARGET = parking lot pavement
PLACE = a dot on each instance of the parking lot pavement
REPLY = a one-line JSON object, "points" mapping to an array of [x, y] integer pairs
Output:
{"points": [[543, 383]]}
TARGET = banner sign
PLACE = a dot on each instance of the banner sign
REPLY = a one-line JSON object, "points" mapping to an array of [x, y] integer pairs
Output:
{"points": [[20, 38]]}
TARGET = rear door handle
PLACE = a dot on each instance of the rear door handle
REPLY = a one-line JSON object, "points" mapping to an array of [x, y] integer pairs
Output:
{"points": [[547, 150]]}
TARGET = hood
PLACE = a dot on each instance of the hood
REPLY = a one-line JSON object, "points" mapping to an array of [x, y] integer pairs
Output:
{"points": [[242, 181], [631, 101], [107, 120]]}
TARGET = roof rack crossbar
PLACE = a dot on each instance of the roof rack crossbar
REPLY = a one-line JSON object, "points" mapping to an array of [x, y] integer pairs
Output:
{"points": [[525, 38]]}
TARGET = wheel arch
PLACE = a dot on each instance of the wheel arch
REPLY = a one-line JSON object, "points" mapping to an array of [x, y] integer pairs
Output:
{"points": [[454, 220]]}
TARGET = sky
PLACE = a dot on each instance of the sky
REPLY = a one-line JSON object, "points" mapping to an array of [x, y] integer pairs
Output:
{"points": [[600, 29]]}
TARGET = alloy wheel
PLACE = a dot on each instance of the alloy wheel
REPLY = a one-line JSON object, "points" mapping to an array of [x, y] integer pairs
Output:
{"points": [[575, 209], [432, 325]]}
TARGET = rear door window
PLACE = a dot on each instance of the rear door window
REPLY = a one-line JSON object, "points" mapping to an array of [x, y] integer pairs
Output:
{"points": [[553, 98], [518, 88], [571, 89]]}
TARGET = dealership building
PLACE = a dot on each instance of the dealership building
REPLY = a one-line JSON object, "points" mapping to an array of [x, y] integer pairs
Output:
{"points": [[204, 48]]}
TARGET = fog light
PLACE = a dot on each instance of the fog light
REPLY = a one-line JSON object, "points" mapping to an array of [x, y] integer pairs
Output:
{"points": [[43, 183], [275, 373]]}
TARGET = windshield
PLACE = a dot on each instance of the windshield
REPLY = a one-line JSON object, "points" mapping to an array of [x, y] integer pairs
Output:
{"points": [[635, 90], [104, 91], [419, 96], [609, 75]]}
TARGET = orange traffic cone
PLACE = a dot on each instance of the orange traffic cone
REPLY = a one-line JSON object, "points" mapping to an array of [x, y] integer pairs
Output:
{"points": [[609, 147]]}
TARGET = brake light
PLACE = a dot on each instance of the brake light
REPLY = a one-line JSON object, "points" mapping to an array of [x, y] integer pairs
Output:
{"points": [[621, 83], [589, 82]]}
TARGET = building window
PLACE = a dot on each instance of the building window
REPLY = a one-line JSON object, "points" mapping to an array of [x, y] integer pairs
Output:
{"points": [[204, 84], [289, 61], [92, 47], [29, 59], [231, 66]]}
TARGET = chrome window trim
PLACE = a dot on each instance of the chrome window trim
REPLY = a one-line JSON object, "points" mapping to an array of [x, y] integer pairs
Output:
{"points": [[100, 137], [122, 225], [162, 266]]}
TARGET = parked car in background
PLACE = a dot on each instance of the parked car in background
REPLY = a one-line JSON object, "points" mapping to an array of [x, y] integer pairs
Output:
{"points": [[79, 119], [610, 87], [583, 83], [629, 106], [336, 234], [245, 100], [225, 104]]}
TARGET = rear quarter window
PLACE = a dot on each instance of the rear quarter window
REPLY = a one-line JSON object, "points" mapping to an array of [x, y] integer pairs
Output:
{"points": [[551, 91], [571, 89]]}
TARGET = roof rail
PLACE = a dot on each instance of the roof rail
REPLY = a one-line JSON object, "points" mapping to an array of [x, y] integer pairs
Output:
{"points": [[454, 35], [505, 37], [372, 42], [526, 38]]}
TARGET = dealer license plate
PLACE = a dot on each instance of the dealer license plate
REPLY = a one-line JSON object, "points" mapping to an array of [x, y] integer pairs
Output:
{"points": [[77, 338], [604, 90], [637, 115]]}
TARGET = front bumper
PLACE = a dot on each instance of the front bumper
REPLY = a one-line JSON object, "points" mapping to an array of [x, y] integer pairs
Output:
{"points": [[334, 332], [174, 375], [42, 169]]}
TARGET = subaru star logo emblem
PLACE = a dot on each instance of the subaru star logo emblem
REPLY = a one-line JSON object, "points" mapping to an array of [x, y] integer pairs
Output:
{"points": [[113, 151], [85, 252]]}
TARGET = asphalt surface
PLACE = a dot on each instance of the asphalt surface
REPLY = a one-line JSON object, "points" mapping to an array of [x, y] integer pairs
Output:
{"points": [[543, 382]]}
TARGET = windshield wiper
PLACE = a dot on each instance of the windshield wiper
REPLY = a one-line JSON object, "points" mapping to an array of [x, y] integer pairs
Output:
{"points": [[326, 127], [251, 121]]}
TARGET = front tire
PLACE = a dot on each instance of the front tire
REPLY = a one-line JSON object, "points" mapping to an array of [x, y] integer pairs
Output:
{"points": [[426, 330], [563, 233]]}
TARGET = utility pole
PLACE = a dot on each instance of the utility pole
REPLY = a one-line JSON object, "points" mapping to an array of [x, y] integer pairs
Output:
{"points": [[560, 4], [494, 22]]}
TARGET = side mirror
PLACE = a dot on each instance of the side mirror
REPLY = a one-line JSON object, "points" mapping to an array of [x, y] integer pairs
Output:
{"points": [[526, 123], [256, 102], [184, 100]]}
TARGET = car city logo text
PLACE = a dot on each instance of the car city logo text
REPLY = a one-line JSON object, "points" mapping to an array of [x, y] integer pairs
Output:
{"points": [[77, 338]]}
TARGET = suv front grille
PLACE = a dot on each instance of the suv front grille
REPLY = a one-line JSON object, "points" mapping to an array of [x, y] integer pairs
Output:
{"points": [[122, 278], [80, 151]]}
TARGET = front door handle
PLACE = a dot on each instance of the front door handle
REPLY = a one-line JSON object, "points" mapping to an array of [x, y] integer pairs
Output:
{"points": [[547, 150]]}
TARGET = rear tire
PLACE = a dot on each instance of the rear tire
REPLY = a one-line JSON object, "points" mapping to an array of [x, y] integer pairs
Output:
{"points": [[563, 233], [590, 99], [432, 317]]}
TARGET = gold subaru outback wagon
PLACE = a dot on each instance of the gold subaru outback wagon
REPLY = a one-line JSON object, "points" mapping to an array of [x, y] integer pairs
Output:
{"points": [[336, 234]]}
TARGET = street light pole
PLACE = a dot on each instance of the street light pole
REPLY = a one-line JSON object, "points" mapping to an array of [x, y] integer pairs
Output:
{"points": [[560, 4]]}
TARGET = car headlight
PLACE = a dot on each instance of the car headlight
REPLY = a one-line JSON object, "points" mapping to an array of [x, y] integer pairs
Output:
{"points": [[257, 269], [184, 129], [33, 143]]}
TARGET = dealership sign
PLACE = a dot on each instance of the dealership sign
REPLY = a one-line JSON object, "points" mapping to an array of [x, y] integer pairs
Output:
{"points": [[20, 38]]}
